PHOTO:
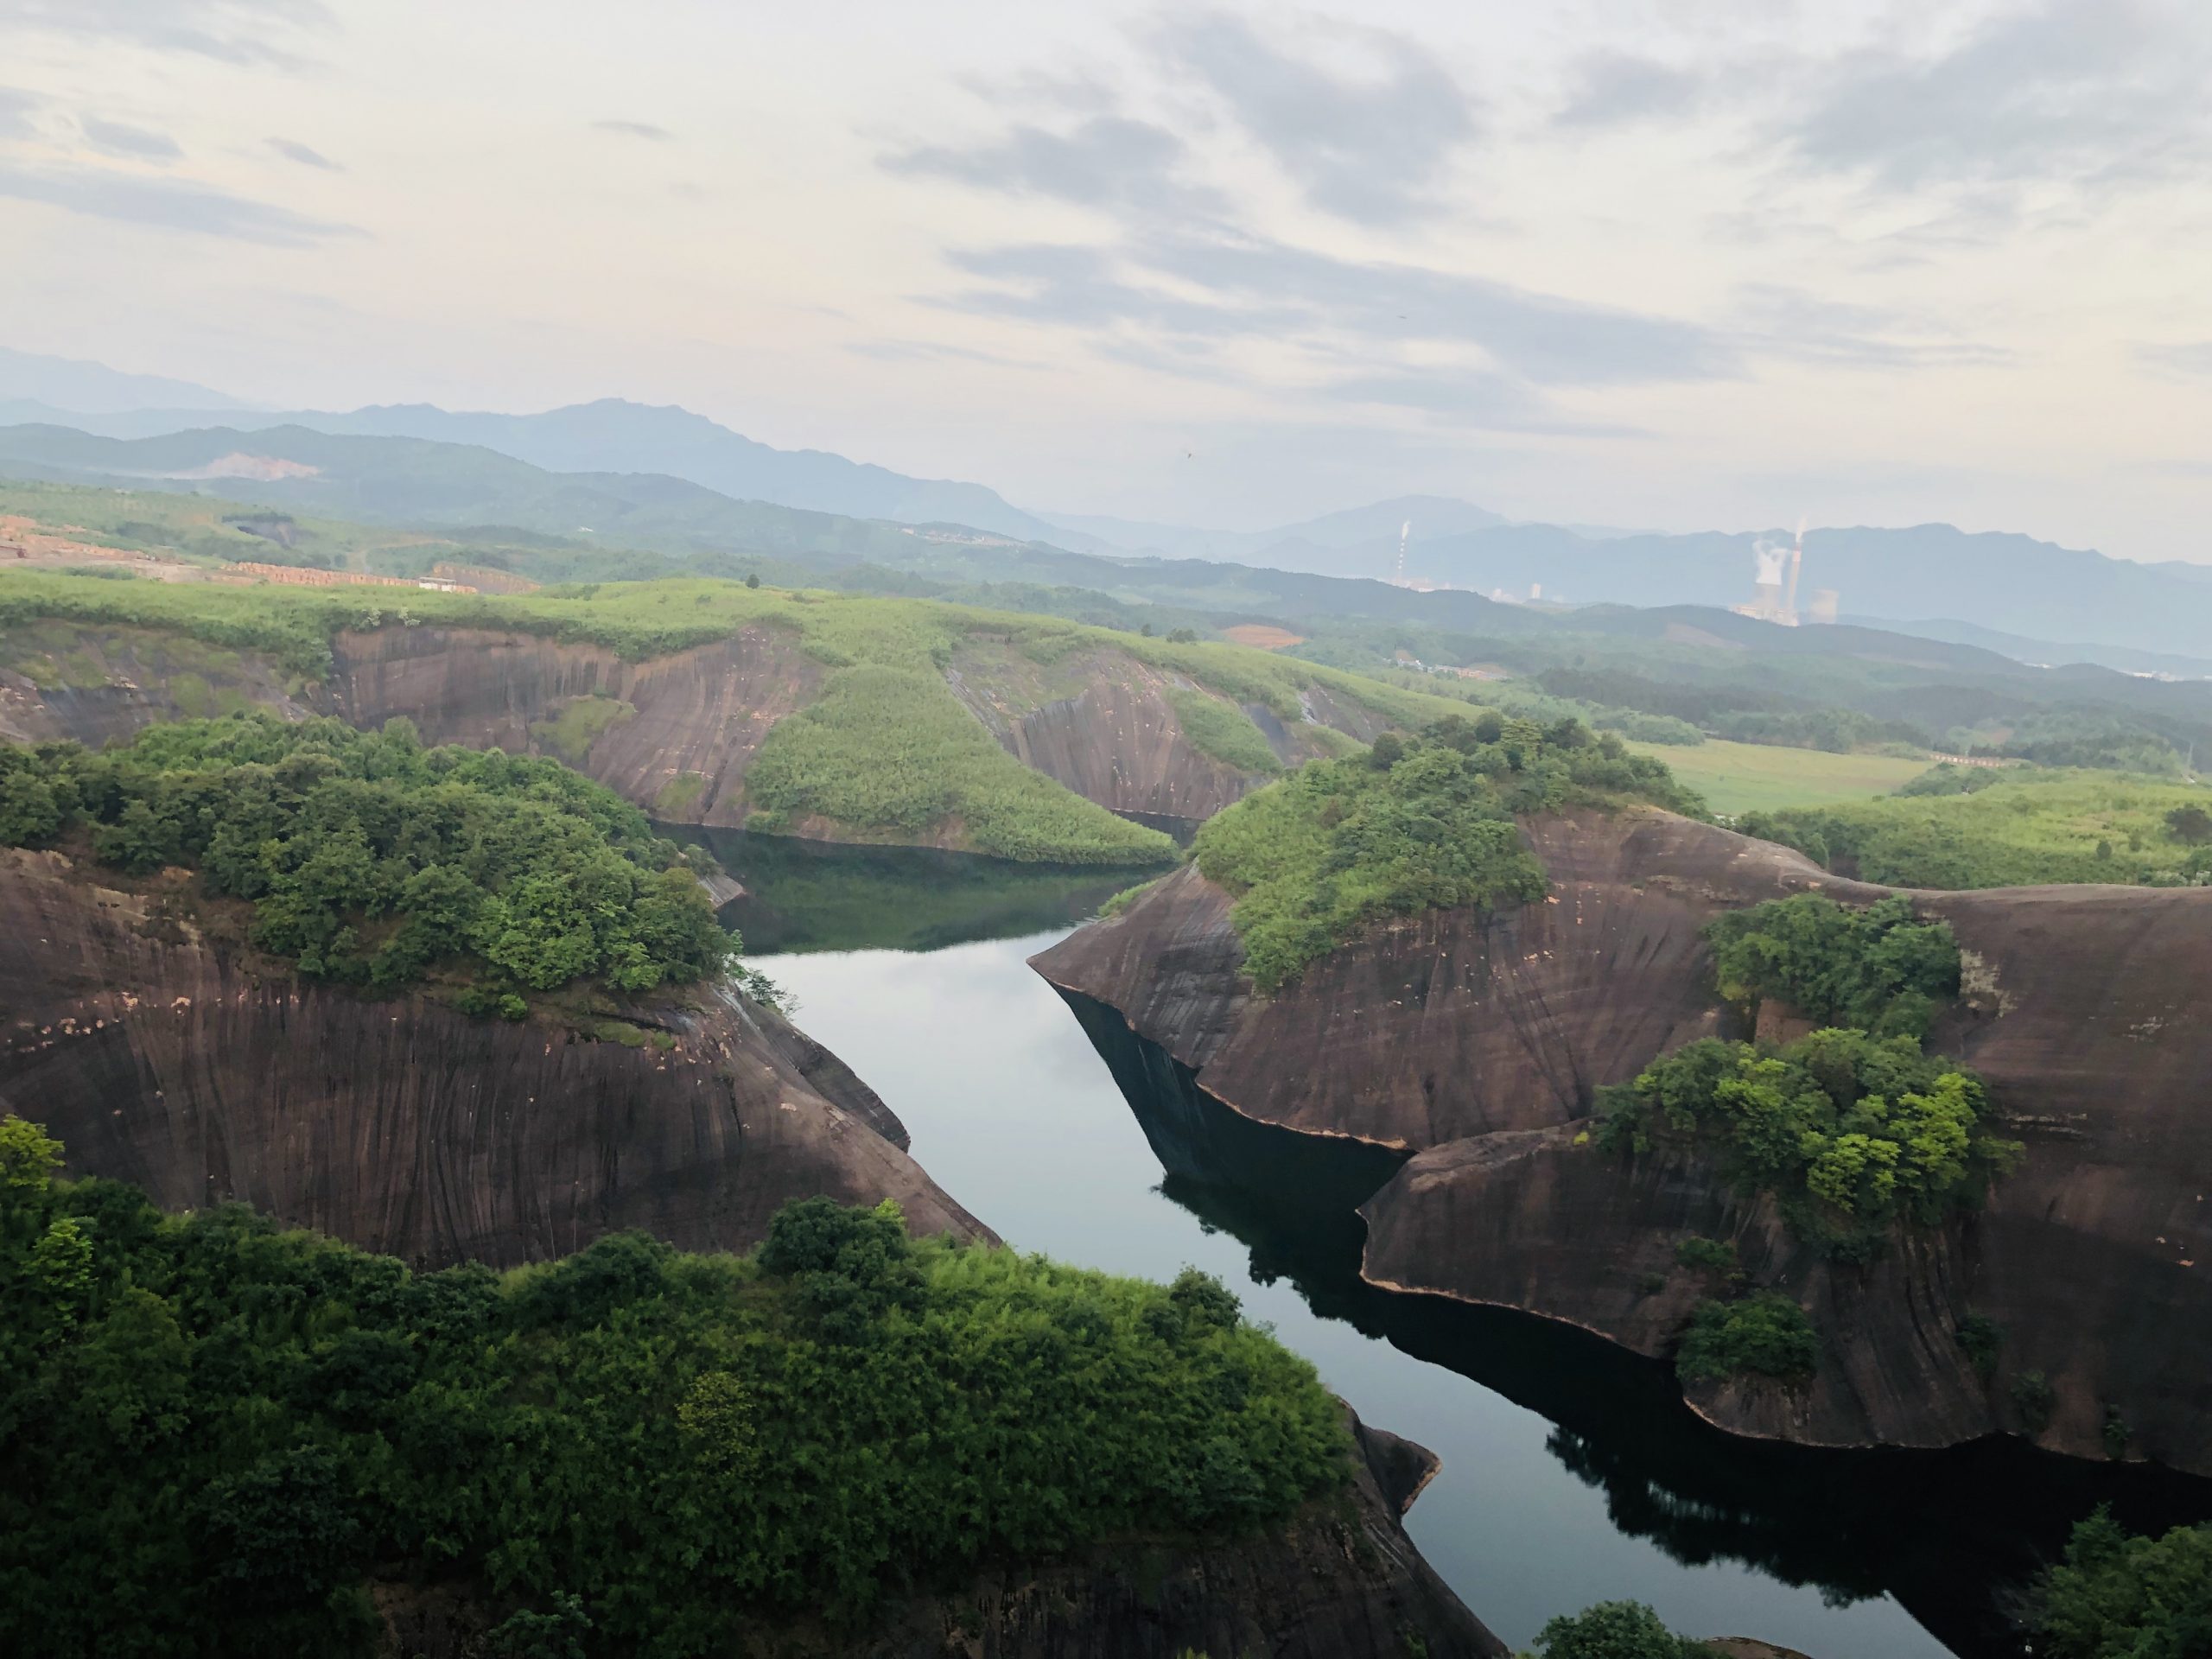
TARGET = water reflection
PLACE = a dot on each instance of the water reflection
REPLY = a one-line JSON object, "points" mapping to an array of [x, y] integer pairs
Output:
{"points": [[810, 895], [1573, 1472], [1955, 1535]]}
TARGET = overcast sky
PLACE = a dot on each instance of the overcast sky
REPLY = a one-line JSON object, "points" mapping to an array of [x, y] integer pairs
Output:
{"points": [[1660, 265]]}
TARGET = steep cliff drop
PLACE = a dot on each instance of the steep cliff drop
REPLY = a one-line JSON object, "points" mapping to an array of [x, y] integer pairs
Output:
{"points": [[161, 1055], [677, 733], [1438, 1073], [1340, 1580]]}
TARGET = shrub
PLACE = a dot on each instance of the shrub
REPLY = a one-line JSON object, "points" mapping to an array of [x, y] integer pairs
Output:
{"points": [[1840, 1125], [369, 859], [1999, 828], [1765, 1335], [1615, 1629], [2117, 1596], [1216, 727], [1876, 969], [1706, 1254], [1983, 1338], [2033, 1397], [1414, 824], [637, 1448], [889, 751]]}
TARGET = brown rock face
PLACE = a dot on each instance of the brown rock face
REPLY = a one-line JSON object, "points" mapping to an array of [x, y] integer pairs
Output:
{"points": [[1340, 1580], [688, 728], [675, 734], [1466, 1051], [1105, 724], [160, 1056]]}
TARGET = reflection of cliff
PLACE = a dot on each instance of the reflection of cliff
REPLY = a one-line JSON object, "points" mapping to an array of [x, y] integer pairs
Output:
{"points": [[809, 896], [162, 1055], [1466, 1049], [1953, 1535]]}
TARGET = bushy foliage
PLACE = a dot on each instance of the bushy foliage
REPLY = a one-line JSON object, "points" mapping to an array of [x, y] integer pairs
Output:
{"points": [[1414, 824], [1846, 1128], [2120, 1596], [217, 1431], [890, 752], [1877, 970], [2001, 828], [1765, 1335], [369, 858], [1223, 730], [1614, 1630]]}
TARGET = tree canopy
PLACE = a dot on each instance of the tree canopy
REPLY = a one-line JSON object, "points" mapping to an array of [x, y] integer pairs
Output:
{"points": [[218, 1432], [1412, 825], [369, 858]]}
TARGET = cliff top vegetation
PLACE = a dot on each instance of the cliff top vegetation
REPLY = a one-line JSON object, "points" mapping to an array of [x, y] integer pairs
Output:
{"points": [[221, 1431], [1879, 969], [2002, 829], [370, 859], [885, 749], [1851, 1132], [1414, 824]]}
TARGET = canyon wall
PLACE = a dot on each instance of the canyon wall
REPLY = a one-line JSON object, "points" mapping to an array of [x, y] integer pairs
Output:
{"points": [[163, 1053], [1456, 1057], [674, 734]]}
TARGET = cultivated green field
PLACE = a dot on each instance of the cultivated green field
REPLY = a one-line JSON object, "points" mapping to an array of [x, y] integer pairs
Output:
{"points": [[1738, 777], [2043, 827]]}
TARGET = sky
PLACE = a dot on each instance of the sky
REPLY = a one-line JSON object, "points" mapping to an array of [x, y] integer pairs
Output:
{"points": [[1674, 265]]}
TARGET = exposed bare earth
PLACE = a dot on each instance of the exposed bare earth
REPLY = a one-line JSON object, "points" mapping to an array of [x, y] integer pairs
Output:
{"points": [[1465, 1052]]}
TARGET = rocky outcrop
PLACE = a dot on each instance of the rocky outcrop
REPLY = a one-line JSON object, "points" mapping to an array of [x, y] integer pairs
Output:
{"points": [[1104, 723], [674, 734], [161, 1052], [1340, 1580], [1455, 1058]]}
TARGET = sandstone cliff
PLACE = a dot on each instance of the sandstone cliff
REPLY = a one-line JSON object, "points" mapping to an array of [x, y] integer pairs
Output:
{"points": [[674, 734], [1437, 1071], [160, 1054], [1340, 1580]]}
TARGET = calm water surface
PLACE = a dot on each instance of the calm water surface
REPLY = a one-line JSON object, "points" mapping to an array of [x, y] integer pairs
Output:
{"points": [[1596, 1486]]}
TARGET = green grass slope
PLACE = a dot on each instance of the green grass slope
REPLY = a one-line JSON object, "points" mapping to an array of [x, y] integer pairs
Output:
{"points": [[2018, 830], [887, 751]]}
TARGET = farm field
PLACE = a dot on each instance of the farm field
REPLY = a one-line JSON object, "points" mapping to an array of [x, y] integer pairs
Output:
{"points": [[1738, 778]]}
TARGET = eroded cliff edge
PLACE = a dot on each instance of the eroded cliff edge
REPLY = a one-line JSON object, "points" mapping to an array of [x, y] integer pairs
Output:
{"points": [[674, 734], [1340, 1579], [160, 1054], [1439, 1070]]}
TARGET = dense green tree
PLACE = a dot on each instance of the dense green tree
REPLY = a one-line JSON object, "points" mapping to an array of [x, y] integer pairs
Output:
{"points": [[369, 858], [1615, 1629], [1877, 969], [235, 1429], [2117, 1596], [1846, 1128]]}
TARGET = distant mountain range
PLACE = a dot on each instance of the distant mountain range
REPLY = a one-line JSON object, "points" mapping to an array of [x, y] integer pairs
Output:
{"points": [[641, 473]]}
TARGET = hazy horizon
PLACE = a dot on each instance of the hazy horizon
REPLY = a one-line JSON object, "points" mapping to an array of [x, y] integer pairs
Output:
{"points": [[1231, 268]]}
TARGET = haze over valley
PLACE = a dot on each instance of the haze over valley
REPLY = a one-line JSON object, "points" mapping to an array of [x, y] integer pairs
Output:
{"points": [[1047, 834]]}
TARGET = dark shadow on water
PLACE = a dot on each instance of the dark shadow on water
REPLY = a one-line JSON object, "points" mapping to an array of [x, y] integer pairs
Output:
{"points": [[1955, 1536], [809, 896]]}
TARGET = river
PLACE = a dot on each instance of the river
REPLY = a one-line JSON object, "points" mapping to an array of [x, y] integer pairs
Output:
{"points": [[1596, 1486]]}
